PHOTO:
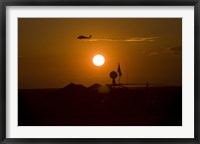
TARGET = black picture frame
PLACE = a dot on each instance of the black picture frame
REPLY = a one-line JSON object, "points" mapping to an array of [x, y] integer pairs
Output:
{"points": [[4, 3]]}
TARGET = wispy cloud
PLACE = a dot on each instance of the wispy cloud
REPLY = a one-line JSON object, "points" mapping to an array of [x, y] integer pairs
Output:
{"points": [[153, 53], [144, 39], [175, 50]]}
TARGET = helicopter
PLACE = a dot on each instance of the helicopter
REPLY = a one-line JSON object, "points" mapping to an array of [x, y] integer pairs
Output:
{"points": [[84, 37]]}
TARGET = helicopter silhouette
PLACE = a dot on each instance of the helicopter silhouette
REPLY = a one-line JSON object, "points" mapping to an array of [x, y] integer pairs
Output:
{"points": [[84, 37]]}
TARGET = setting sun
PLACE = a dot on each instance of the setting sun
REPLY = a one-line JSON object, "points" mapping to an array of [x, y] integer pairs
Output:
{"points": [[98, 60]]}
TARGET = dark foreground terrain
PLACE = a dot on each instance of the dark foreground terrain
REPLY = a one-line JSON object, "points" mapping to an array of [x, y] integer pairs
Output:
{"points": [[76, 105]]}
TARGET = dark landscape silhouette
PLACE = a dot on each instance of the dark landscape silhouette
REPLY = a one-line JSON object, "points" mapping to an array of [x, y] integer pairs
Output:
{"points": [[98, 105]]}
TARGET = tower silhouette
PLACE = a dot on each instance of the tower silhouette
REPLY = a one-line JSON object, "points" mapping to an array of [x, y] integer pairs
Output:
{"points": [[113, 76]]}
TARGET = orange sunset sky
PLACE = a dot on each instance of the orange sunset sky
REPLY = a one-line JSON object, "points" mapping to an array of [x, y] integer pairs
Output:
{"points": [[51, 56]]}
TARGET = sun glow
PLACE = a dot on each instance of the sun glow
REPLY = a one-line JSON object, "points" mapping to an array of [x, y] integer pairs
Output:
{"points": [[98, 60]]}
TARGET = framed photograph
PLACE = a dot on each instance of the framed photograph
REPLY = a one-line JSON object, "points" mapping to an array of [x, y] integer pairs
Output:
{"points": [[99, 72]]}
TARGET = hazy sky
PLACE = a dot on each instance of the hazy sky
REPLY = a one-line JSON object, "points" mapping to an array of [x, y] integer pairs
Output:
{"points": [[51, 56]]}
